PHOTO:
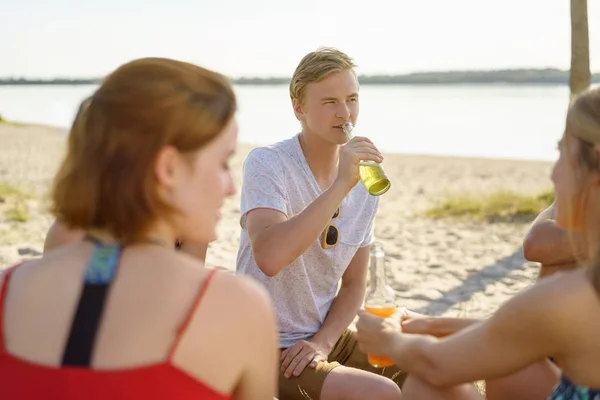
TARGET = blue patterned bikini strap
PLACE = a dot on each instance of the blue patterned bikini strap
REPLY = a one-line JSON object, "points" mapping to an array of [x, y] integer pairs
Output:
{"points": [[98, 277], [103, 265]]}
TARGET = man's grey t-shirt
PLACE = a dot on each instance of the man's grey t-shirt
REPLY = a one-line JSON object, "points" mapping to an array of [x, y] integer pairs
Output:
{"points": [[278, 177]]}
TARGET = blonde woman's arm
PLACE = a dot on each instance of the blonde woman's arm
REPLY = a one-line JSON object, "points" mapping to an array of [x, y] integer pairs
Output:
{"points": [[528, 328], [436, 326]]}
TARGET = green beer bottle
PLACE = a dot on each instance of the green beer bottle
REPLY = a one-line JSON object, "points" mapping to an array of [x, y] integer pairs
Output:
{"points": [[372, 174]]}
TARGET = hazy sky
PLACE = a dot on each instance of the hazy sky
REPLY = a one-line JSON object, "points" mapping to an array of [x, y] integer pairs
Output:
{"points": [[78, 38]]}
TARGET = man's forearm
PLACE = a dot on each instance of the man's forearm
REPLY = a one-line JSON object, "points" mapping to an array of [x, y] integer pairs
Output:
{"points": [[342, 312], [275, 247]]}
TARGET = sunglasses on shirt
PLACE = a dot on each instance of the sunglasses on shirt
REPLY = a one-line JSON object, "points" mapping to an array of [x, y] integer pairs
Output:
{"points": [[329, 237]]}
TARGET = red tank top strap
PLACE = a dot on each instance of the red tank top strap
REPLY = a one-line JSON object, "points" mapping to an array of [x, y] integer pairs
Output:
{"points": [[182, 328], [3, 290]]}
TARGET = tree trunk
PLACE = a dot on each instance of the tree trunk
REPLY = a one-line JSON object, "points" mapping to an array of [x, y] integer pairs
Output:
{"points": [[580, 77]]}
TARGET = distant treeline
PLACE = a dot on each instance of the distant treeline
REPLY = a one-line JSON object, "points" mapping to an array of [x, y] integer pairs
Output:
{"points": [[510, 76]]}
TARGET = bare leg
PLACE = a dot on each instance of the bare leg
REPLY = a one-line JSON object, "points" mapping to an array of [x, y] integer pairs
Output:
{"points": [[416, 389], [345, 383], [535, 382]]}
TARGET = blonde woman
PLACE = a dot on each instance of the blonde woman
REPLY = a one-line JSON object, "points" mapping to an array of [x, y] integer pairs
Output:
{"points": [[559, 317]]}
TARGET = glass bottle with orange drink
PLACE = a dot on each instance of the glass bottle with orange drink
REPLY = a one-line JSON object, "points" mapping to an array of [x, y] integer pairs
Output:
{"points": [[380, 299]]}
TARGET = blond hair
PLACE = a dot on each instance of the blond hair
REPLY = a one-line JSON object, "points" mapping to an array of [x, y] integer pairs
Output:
{"points": [[315, 66], [583, 124]]}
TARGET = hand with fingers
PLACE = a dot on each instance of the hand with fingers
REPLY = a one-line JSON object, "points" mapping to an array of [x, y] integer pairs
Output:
{"points": [[376, 335], [296, 358], [413, 322], [351, 154], [408, 315]]}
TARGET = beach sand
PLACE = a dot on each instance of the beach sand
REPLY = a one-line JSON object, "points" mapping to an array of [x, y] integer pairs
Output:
{"points": [[442, 267]]}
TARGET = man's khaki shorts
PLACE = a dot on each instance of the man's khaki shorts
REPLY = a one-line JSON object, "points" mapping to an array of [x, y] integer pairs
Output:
{"points": [[345, 352]]}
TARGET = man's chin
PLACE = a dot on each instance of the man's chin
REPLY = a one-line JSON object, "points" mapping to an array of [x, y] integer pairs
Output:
{"points": [[337, 137], [333, 137]]}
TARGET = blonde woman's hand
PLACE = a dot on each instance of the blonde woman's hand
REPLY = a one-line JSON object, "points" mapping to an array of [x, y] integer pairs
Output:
{"points": [[412, 322], [407, 315], [376, 335]]}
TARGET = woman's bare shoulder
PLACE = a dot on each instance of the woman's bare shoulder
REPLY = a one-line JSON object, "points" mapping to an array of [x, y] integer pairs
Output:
{"points": [[556, 299], [564, 286], [231, 291], [239, 307], [242, 290]]}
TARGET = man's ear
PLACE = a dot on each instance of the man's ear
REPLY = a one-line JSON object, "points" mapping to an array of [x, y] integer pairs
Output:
{"points": [[297, 105]]}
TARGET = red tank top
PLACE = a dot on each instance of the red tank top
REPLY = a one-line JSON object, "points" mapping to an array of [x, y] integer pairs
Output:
{"points": [[24, 380]]}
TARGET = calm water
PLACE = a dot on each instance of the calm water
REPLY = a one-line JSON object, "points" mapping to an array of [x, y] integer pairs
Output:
{"points": [[500, 121]]}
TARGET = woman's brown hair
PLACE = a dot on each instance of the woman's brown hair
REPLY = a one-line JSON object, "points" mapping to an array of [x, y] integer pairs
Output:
{"points": [[106, 180], [583, 124]]}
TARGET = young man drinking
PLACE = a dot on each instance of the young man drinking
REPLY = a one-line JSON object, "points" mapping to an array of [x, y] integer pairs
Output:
{"points": [[307, 227]]}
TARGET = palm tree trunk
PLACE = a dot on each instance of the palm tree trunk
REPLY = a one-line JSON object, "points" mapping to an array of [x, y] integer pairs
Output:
{"points": [[580, 77]]}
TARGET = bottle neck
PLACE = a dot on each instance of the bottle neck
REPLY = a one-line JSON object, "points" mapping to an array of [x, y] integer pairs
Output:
{"points": [[377, 271], [348, 128]]}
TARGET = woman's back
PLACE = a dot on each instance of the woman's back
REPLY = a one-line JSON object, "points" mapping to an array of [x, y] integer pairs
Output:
{"points": [[577, 311], [168, 328]]}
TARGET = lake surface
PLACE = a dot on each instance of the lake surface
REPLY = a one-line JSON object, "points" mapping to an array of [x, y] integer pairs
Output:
{"points": [[496, 121]]}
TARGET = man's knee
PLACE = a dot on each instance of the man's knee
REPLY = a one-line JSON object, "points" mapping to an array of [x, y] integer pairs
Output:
{"points": [[351, 383], [417, 389], [386, 389]]}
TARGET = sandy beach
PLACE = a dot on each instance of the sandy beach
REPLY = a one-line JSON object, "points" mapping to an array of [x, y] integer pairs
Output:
{"points": [[443, 267]]}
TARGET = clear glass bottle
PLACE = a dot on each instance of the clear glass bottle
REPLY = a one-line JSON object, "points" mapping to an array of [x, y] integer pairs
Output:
{"points": [[380, 299], [372, 174]]}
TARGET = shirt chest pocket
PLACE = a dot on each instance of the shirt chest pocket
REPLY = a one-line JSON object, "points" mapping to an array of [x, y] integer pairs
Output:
{"points": [[352, 233]]}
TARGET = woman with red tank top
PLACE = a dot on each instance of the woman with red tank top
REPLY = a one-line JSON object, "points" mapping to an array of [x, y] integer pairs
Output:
{"points": [[121, 314]]}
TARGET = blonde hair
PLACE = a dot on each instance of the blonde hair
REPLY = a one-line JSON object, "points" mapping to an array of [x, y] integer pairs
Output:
{"points": [[583, 124], [315, 66]]}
